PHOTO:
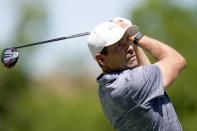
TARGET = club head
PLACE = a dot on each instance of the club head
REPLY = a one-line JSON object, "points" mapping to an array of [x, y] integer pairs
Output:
{"points": [[9, 57]]}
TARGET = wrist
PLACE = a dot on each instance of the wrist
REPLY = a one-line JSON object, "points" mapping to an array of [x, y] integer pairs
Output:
{"points": [[134, 34], [137, 38]]}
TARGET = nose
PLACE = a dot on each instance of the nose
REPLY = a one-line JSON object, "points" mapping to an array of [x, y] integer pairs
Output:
{"points": [[130, 48]]}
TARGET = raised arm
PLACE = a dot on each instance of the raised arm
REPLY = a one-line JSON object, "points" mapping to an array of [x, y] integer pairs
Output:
{"points": [[141, 56], [171, 63]]}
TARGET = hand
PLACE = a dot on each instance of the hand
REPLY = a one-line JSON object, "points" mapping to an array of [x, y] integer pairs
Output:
{"points": [[131, 38], [122, 22]]}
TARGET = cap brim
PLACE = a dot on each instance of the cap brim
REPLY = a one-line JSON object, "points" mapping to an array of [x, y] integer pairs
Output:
{"points": [[131, 31]]}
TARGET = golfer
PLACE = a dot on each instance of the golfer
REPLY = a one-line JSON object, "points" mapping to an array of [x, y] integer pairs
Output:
{"points": [[132, 91]]}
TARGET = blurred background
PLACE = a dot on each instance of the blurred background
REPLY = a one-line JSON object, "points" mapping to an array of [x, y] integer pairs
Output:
{"points": [[53, 86]]}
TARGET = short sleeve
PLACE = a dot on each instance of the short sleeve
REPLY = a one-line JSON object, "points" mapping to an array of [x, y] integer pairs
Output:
{"points": [[146, 84]]}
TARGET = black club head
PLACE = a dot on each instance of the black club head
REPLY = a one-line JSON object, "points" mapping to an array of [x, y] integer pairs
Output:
{"points": [[9, 57]]}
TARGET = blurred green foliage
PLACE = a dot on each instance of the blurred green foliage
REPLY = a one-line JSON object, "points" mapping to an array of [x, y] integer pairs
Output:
{"points": [[45, 109], [177, 26], [29, 106], [25, 106]]}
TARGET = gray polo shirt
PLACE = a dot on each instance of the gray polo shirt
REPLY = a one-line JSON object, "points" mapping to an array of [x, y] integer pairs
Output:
{"points": [[135, 100]]}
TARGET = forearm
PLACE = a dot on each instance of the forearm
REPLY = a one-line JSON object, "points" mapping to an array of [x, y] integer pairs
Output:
{"points": [[158, 49], [171, 63], [141, 56]]}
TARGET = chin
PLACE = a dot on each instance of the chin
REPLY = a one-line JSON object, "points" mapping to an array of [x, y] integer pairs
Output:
{"points": [[132, 64]]}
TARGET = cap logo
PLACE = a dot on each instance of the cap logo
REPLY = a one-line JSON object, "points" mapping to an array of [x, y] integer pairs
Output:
{"points": [[112, 26]]}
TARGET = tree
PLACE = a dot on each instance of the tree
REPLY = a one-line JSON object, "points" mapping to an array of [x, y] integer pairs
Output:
{"points": [[14, 82]]}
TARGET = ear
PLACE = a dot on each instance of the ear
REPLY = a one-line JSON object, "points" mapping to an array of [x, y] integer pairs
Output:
{"points": [[100, 59]]}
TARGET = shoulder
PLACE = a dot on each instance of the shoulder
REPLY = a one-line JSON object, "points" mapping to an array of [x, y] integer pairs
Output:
{"points": [[133, 77], [143, 71], [143, 76]]}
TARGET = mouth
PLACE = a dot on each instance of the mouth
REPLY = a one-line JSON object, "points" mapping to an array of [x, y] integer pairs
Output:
{"points": [[132, 58]]}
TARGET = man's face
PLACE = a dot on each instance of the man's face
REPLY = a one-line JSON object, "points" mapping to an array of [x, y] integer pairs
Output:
{"points": [[120, 56]]}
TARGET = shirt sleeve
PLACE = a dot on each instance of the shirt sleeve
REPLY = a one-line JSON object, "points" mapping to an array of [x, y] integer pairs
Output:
{"points": [[146, 84]]}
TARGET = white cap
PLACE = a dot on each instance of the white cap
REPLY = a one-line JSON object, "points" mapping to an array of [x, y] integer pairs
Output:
{"points": [[126, 21], [106, 34]]}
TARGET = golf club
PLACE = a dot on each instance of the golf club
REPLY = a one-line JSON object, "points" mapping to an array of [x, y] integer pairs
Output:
{"points": [[10, 55]]}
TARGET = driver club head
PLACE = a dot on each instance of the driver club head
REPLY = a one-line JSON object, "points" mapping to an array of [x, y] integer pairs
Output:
{"points": [[9, 57]]}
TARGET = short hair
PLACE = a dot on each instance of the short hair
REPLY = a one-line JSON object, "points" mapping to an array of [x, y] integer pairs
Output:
{"points": [[104, 51]]}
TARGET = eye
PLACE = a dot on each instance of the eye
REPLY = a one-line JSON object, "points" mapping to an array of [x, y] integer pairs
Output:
{"points": [[118, 46], [128, 41]]}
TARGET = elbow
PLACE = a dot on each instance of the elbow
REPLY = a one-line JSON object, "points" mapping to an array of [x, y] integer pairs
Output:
{"points": [[184, 61]]}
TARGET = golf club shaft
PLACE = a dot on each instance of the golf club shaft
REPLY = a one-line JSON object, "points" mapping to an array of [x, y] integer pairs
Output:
{"points": [[52, 40]]}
